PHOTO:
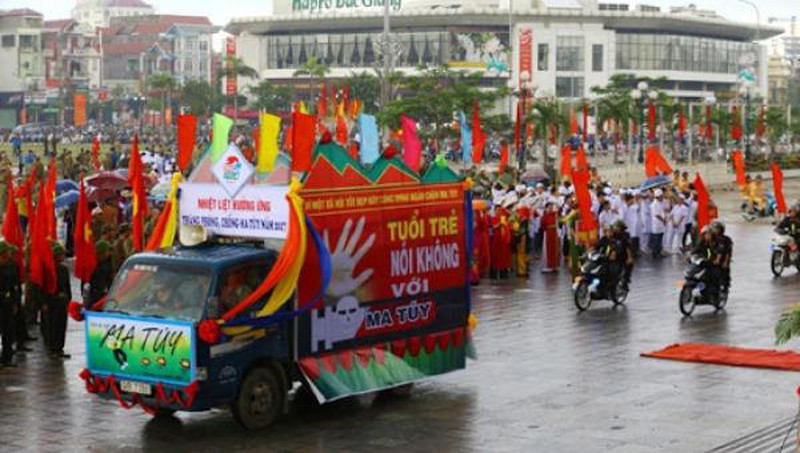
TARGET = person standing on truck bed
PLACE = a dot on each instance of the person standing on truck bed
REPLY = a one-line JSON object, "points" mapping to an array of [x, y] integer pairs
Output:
{"points": [[55, 307]]}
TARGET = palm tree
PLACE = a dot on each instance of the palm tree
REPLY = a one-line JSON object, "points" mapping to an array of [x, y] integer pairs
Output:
{"points": [[235, 67], [315, 71], [776, 126], [548, 116], [165, 84]]}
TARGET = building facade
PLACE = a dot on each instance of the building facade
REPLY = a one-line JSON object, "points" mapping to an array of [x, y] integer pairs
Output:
{"points": [[98, 13], [565, 51], [71, 55], [22, 67], [135, 48]]}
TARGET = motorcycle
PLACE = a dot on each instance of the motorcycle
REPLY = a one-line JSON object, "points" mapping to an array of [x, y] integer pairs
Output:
{"points": [[784, 253], [696, 288], [589, 285]]}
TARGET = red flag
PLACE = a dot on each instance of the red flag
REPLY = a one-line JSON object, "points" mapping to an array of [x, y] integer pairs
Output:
{"points": [[503, 158], [12, 229], [573, 123], [518, 128], [585, 121], [341, 130], [655, 164], [478, 136], [738, 166], [566, 161], [736, 130], [304, 137], [681, 124], [703, 199], [580, 181], [96, 152], [42, 262], [50, 194], [651, 122], [136, 180], [85, 253], [581, 163], [777, 181], [412, 147], [187, 133], [287, 139], [709, 125]]}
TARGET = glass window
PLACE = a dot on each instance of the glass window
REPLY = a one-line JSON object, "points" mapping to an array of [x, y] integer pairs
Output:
{"points": [[569, 87], [238, 282], [569, 53], [9, 40], [150, 289], [543, 56], [597, 57], [203, 45]]}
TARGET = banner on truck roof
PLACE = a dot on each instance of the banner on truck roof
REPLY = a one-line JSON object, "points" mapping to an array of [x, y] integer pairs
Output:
{"points": [[257, 211]]}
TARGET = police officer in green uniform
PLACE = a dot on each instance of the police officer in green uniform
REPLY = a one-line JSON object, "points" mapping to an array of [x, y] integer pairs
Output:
{"points": [[9, 302], [55, 307]]}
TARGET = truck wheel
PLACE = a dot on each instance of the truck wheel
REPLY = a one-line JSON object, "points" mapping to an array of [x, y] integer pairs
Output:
{"points": [[163, 413], [400, 392], [260, 399]]}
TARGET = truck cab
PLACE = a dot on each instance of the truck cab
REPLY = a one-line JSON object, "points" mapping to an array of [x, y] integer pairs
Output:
{"points": [[146, 337]]}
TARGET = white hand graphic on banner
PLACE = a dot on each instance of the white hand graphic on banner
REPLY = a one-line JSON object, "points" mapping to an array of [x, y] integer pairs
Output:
{"points": [[345, 259]]}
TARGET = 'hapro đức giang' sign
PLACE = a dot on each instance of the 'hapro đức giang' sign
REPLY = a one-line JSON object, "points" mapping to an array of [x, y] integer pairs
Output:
{"points": [[323, 6]]}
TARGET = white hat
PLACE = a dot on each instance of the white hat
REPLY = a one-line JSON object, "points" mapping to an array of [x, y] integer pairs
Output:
{"points": [[510, 200], [658, 193], [607, 191], [539, 185], [520, 188]]}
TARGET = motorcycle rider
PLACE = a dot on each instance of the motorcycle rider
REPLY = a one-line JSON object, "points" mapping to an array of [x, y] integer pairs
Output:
{"points": [[723, 246], [608, 246], [625, 251], [790, 224], [706, 248]]}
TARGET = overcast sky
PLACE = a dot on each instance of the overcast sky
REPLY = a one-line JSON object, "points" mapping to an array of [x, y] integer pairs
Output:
{"points": [[221, 11]]}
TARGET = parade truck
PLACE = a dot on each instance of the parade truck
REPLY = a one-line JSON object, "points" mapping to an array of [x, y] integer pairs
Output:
{"points": [[352, 280]]}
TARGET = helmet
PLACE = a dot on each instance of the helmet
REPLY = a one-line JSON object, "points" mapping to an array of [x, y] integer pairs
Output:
{"points": [[706, 229], [718, 227], [619, 225]]}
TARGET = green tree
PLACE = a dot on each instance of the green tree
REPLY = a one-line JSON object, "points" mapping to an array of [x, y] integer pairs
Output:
{"points": [[199, 96], [366, 87], [776, 126], [163, 84], [270, 97], [316, 72], [233, 66]]}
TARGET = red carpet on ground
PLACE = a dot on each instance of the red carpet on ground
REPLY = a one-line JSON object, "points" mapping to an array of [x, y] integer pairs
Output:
{"points": [[729, 355]]}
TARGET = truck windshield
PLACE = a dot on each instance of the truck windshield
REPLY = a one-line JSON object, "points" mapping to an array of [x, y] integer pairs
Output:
{"points": [[159, 290]]}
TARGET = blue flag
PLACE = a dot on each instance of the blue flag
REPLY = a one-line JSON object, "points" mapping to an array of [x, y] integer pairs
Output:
{"points": [[466, 139], [370, 142]]}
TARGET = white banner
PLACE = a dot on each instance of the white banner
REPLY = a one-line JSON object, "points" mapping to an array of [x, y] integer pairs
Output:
{"points": [[257, 211]]}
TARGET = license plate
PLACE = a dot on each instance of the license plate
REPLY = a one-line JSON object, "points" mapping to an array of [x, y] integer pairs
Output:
{"points": [[135, 387]]}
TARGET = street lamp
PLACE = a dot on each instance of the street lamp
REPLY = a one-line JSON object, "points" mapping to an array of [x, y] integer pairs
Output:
{"points": [[710, 101], [638, 95], [744, 91]]}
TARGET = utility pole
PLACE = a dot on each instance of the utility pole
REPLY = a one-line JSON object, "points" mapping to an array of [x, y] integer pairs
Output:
{"points": [[387, 56]]}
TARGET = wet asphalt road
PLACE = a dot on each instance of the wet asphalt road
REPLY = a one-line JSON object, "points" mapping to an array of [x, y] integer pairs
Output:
{"points": [[547, 379]]}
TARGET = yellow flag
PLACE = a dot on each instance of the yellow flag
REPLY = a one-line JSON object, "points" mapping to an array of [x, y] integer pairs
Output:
{"points": [[268, 142], [301, 107]]}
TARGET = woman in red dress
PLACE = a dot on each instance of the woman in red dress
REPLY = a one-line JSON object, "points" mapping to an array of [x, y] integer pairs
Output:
{"points": [[551, 251]]}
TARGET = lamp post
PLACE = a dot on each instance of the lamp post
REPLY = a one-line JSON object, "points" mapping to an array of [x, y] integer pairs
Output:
{"points": [[744, 91], [709, 102], [638, 95], [526, 89]]}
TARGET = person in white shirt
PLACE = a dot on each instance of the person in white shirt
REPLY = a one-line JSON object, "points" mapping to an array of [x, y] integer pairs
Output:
{"points": [[608, 216], [631, 219], [645, 220], [678, 216], [658, 224]]}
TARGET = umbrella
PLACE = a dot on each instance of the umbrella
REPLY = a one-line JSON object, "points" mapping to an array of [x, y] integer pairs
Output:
{"points": [[96, 194], [66, 185], [67, 199], [107, 180], [656, 182], [161, 188], [535, 174]]}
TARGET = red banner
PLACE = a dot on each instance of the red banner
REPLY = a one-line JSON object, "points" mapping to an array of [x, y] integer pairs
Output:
{"points": [[738, 166], [399, 264], [230, 52], [777, 181], [79, 112], [526, 52]]}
